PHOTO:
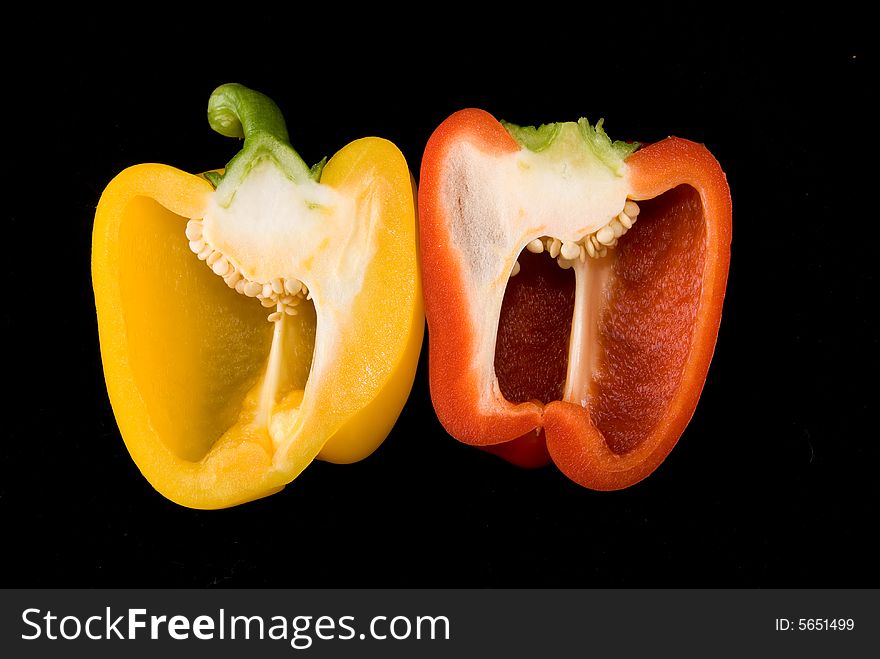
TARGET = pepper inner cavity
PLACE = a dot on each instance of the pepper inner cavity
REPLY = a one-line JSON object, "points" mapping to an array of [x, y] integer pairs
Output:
{"points": [[531, 347], [287, 298], [546, 330]]}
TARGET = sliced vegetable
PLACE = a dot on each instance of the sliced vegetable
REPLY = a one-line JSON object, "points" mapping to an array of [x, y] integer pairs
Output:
{"points": [[216, 405], [573, 291]]}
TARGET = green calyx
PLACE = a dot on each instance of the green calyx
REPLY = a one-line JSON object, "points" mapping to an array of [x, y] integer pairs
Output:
{"points": [[236, 111], [566, 140]]}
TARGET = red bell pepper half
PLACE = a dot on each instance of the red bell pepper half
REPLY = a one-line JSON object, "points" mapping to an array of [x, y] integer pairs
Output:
{"points": [[573, 291]]}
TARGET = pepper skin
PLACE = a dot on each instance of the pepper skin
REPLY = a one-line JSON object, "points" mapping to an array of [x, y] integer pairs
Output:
{"points": [[600, 370], [216, 405]]}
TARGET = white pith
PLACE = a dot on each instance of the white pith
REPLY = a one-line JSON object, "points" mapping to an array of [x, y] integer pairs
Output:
{"points": [[498, 205], [282, 242]]}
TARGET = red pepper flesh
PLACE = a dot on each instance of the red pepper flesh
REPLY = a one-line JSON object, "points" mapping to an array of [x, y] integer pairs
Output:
{"points": [[651, 307]]}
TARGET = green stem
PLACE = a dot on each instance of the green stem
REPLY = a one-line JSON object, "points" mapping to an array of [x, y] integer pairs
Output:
{"points": [[560, 138], [236, 111]]}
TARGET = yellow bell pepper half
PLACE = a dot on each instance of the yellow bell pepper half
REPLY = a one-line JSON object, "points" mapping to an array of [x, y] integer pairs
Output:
{"points": [[249, 329]]}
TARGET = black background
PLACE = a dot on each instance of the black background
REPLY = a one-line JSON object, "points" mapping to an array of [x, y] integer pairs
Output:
{"points": [[773, 483]]}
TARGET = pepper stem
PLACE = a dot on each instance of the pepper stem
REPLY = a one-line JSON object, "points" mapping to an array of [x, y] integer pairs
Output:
{"points": [[236, 111]]}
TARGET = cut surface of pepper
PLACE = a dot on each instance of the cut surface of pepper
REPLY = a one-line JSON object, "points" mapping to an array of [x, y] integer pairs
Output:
{"points": [[573, 291], [254, 320]]}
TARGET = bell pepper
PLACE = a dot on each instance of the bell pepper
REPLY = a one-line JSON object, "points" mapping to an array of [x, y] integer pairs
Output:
{"points": [[573, 291], [254, 319]]}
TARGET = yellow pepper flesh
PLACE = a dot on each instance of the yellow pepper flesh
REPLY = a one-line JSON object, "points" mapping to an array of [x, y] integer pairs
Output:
{"points": [[184, 354]]}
